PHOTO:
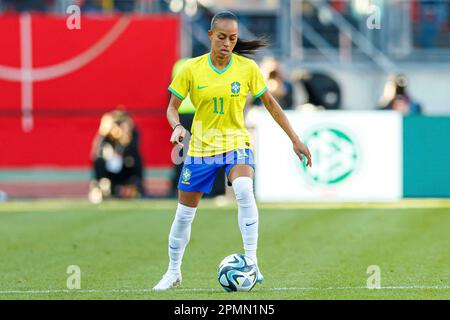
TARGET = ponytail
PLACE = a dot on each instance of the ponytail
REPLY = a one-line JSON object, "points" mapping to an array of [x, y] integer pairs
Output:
{"points": [[243, 47], [249, 47]]}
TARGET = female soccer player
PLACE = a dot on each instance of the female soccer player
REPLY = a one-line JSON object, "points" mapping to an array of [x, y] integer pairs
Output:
{"points": [[218, 84]]}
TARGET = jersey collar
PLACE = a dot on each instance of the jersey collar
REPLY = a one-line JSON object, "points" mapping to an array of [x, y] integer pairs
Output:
{"points": [[215, 69]]}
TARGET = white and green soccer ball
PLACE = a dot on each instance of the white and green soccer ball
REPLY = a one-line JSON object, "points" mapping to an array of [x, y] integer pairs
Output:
{"points": [[237, 272]]}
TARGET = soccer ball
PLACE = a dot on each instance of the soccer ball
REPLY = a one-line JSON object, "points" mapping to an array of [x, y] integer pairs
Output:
{"points": [[237, 272]]}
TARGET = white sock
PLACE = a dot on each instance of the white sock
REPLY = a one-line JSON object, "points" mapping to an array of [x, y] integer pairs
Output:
{"points": [[179, 236], [247, 214]]}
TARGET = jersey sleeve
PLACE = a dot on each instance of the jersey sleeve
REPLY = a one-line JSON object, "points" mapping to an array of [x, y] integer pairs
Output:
{"points": [[180, 85], [257, 83]]}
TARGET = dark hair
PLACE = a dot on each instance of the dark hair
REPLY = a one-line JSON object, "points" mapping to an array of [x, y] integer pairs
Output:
{"points": [[242, 47], [273, 74]]}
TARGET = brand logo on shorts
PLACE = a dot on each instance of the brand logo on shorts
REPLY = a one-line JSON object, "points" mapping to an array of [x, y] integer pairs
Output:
{"points": [[335, 156], [186, 175], [241, 154]]}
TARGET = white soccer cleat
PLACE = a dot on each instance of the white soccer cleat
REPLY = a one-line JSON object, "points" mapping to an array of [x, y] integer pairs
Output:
{"points": [[169, 280], [260, 277]]}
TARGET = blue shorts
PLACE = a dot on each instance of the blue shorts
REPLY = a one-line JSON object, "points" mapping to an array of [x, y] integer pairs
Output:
{"points": [[199, 173]]}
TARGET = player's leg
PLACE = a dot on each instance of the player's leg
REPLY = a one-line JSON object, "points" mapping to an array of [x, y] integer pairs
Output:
{"points": [[179, 236], [189, 198], [180, 232], [241, 178], [195, 180]]}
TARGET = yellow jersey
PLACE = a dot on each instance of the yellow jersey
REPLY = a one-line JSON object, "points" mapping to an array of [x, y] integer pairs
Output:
{"points": [[219, 97]]}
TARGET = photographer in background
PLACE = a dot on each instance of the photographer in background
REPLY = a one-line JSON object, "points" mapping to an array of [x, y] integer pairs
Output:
{"points": [[396, 97], [280, 88], [117, 163], [277, 84]]}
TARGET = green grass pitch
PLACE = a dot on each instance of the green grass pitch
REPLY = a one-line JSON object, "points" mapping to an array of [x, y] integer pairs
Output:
{"points": [[306, 251]]}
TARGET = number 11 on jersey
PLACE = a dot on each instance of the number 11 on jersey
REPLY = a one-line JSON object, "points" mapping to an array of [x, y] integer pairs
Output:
{"points": [[215, 105]]}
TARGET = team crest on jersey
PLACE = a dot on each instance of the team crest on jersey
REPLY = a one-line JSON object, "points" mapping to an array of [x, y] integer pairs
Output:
{"points": [[235, 88], [186, 175]]}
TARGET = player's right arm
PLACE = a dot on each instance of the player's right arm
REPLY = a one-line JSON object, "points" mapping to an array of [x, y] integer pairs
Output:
{"points": [[178, 131], [179, 87]]}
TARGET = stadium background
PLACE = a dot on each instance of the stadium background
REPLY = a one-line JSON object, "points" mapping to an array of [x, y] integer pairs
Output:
{"points": [[51, 108]]}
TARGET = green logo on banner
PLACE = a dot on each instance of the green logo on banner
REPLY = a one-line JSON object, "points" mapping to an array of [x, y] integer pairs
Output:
{"points": [[334, 154]]}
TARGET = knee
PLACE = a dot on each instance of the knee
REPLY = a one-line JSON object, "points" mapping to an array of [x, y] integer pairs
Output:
{"points": [[185, 214], [189, 199], [243, 190]]}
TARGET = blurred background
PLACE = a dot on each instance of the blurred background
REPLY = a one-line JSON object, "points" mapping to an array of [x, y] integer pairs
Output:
{"points": [[83, 96]]}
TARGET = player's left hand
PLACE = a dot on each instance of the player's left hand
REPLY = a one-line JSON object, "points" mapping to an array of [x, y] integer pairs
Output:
{"points": [[302, 150]]}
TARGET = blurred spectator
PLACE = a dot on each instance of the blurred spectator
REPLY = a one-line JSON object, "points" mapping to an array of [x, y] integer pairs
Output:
{"points": [[396, 97], [433, 16], [90, 5], [323, 91], [118, 169], [124, 5], [106, 5], [277, 84], [25, 5], [199, 23]]}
